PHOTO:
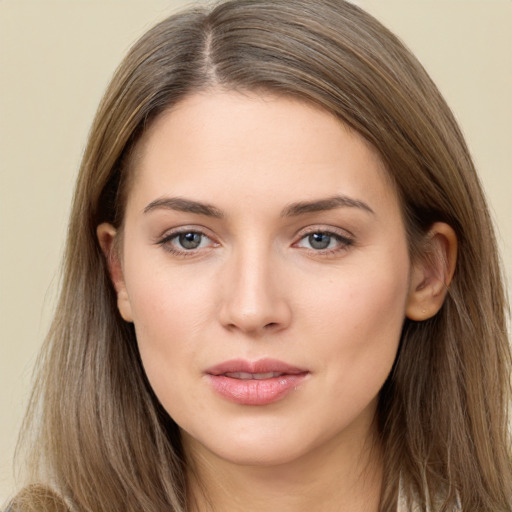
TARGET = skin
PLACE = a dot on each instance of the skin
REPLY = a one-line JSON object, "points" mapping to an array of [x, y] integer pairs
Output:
{"points": [[256, 287]]}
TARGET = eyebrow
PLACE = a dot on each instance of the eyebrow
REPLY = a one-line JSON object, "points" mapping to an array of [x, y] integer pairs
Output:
{"points": [[292, 210], [184, 205], [329, 203]]}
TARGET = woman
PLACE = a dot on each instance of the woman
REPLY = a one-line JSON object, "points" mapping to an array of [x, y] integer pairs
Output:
{"points": [[281, 286]]}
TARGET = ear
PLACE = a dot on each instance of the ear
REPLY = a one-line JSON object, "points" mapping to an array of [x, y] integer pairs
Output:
{"points": [[106, 234], [432, 273]]}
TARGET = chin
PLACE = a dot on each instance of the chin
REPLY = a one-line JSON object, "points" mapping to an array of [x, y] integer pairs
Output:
{"points": [[263, 454], [262, 445]]}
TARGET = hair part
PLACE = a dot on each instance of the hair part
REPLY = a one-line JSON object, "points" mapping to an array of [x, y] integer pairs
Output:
{"points": [[103, 440]]}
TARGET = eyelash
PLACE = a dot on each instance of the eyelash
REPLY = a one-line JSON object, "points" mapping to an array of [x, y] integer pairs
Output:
{"points": [[166, 242], [343, 242]]}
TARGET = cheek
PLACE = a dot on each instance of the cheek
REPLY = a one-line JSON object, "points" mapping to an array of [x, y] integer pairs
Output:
{"points": [[357, 323], [363, 298], [169, 327], [166, 299], [378, 306], [170, 313], [167, 320]]}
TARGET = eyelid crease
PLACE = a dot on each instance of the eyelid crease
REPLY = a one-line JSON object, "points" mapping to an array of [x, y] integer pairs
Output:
{"points": [[170, 236], [342, 239], [326, 229], [179, 230]]}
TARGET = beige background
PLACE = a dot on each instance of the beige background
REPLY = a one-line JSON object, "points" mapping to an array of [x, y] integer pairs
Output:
{"points": [[56, 58]]}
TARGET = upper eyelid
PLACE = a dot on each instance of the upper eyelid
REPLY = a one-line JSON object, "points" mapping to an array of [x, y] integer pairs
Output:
{"points": [[172, 232], [341, 238], [321, 228]]}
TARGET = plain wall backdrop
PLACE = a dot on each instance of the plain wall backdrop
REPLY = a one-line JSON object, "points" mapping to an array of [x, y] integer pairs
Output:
{"points": [[56, 58]]}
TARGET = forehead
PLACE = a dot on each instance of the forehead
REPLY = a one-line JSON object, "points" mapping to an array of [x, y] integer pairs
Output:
{"points": [[215, 143]]}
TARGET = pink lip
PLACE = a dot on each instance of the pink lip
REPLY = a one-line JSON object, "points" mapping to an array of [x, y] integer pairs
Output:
{"points": [[250, 391]]}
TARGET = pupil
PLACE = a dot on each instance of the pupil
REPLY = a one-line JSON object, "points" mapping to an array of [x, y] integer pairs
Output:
{"points": [[319, 240], [190, 240]]}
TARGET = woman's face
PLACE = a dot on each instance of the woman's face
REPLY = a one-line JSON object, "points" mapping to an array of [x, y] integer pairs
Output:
{"points": [[265, 267]]}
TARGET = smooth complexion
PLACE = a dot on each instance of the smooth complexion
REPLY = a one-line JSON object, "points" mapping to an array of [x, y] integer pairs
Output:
{"points": [[263, 244]]}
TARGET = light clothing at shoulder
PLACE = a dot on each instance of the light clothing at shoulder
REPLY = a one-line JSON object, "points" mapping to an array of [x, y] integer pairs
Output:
{"points": [[403, 507]]}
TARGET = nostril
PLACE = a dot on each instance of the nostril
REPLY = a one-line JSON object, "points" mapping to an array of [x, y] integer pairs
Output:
{"points": [[254, 316]]}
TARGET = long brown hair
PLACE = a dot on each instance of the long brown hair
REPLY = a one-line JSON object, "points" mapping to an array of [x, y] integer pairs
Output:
{"points": [[99, 437]]}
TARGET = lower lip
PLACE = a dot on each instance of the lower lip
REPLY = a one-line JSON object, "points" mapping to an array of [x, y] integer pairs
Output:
{"points": [[256, 391]]}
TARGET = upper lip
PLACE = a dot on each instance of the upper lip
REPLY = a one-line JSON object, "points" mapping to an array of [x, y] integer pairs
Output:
{"points": [[265, 365]]}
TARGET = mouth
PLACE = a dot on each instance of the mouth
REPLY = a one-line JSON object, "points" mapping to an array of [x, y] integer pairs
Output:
{"points": [[260, 382], [255, 376]]}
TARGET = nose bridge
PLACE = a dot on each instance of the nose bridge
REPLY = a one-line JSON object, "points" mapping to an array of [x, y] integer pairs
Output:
{"points": [[252, 300]]}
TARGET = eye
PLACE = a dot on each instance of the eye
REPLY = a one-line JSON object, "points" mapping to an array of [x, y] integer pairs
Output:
{"points": [[189, 240], [185, 242], [320, 240], [324, 241]]}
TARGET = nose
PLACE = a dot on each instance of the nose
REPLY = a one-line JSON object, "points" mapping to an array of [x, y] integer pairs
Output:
{"points": [[254, 301]]}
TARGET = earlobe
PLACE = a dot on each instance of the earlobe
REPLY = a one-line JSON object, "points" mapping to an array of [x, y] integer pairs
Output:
{"points": [[431, 275], [106, 234]]}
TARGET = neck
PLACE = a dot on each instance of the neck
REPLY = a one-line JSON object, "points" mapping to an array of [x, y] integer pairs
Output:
{"points": [[337, 477]]}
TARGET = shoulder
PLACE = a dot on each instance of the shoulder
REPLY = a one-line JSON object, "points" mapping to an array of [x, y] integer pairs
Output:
{"points": [[37, 498], [403, 505]]}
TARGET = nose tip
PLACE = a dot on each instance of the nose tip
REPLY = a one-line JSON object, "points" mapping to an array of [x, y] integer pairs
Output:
{"points": [[254, 321], [252, 302]]}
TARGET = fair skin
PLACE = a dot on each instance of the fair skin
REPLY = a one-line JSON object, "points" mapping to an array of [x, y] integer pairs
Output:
{"points": [[260, 228]]}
